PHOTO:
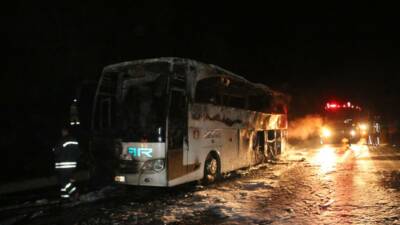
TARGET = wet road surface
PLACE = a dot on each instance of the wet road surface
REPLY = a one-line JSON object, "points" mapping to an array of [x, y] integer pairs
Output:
{"points": [[311, 185]]}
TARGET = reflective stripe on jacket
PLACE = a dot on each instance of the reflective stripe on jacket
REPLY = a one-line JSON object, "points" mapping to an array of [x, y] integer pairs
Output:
{"points": [[65, 165], [67, 153]]}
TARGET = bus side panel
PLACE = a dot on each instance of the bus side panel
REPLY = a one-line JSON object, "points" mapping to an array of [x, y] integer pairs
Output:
{"points": [[219, 131], [246, 152], [235, 153], [228, 131], [230, 150]]}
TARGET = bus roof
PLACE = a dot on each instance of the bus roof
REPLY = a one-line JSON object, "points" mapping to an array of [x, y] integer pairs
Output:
{"points": [[198, 64]]}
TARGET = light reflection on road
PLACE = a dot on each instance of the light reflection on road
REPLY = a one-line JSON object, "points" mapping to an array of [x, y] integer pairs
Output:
{"points": [[326, 158], [329, 157]]}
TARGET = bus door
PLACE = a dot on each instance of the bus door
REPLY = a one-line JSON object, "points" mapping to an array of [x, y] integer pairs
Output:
{"points": [[177, 135], [103, 143]]}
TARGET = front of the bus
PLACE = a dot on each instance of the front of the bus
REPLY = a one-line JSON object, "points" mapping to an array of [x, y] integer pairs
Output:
{"points": [[141, 123]]}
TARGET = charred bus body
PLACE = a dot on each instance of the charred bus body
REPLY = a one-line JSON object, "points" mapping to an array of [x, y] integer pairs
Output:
{"points": [[168, 121], [344, 123]]}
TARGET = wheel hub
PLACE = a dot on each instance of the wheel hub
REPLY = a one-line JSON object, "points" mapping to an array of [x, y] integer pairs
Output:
{"points": [[213, 166]]}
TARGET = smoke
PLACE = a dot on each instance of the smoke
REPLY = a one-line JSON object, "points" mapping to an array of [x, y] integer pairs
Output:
{"points": [[305, 128]]}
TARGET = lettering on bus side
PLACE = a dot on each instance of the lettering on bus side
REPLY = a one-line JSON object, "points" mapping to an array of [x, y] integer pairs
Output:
{"points": [[138, 152], [212, 134]]}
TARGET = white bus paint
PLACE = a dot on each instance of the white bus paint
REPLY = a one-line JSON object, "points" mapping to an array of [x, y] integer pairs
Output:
{"points": [[227, 125]]}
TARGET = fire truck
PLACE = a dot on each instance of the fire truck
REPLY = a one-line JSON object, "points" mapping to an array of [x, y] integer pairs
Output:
{"points": [[344, 122]]}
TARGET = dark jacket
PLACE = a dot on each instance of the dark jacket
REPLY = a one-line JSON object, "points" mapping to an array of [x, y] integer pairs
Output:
{"points": [[67, 153]]}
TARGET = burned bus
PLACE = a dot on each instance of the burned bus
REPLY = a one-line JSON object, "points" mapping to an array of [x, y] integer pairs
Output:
{"points": [[168, 121], [344, 123]]}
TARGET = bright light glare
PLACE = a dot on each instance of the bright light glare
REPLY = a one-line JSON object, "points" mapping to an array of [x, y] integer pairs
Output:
{"points": [[119, 179], [326, 132], [326, 159], [364, 126], [353, 133], [360, 151]]}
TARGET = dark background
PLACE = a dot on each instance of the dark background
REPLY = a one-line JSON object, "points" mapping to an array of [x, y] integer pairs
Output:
{"points": [[313, 52]]}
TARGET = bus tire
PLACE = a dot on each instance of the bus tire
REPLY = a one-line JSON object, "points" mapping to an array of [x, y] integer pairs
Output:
{"points": [[211, 169]]}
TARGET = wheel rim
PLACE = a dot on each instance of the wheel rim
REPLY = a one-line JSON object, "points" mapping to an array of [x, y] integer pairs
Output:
{"points": [[212, 166]]}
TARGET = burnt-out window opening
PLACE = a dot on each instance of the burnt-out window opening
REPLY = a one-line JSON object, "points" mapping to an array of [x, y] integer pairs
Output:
{"points": [[259, 141], [143, 108], [235, 102], [278, 105], [271, 135], [207, 91], [234, 93], [177, 119], [259, 100], [279, 108]]}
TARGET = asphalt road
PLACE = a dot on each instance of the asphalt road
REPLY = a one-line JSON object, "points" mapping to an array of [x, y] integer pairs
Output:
{"points": [[312, 184]]}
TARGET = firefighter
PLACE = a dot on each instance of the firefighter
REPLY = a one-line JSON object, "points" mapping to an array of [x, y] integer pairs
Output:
{"points": [[66, 161], [376, 133], [74, 114]]}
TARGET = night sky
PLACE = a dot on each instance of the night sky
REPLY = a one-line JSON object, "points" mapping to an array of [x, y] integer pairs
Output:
{"points": [[313, 52]]}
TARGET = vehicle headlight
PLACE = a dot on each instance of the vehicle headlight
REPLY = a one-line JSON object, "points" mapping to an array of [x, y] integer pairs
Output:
{"points": [[353, 133], [148, 165], [326, 132], [156, 165], [363, 126]]}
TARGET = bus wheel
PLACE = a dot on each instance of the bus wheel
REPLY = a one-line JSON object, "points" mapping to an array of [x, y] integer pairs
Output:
{"points": [[211, 169]]}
